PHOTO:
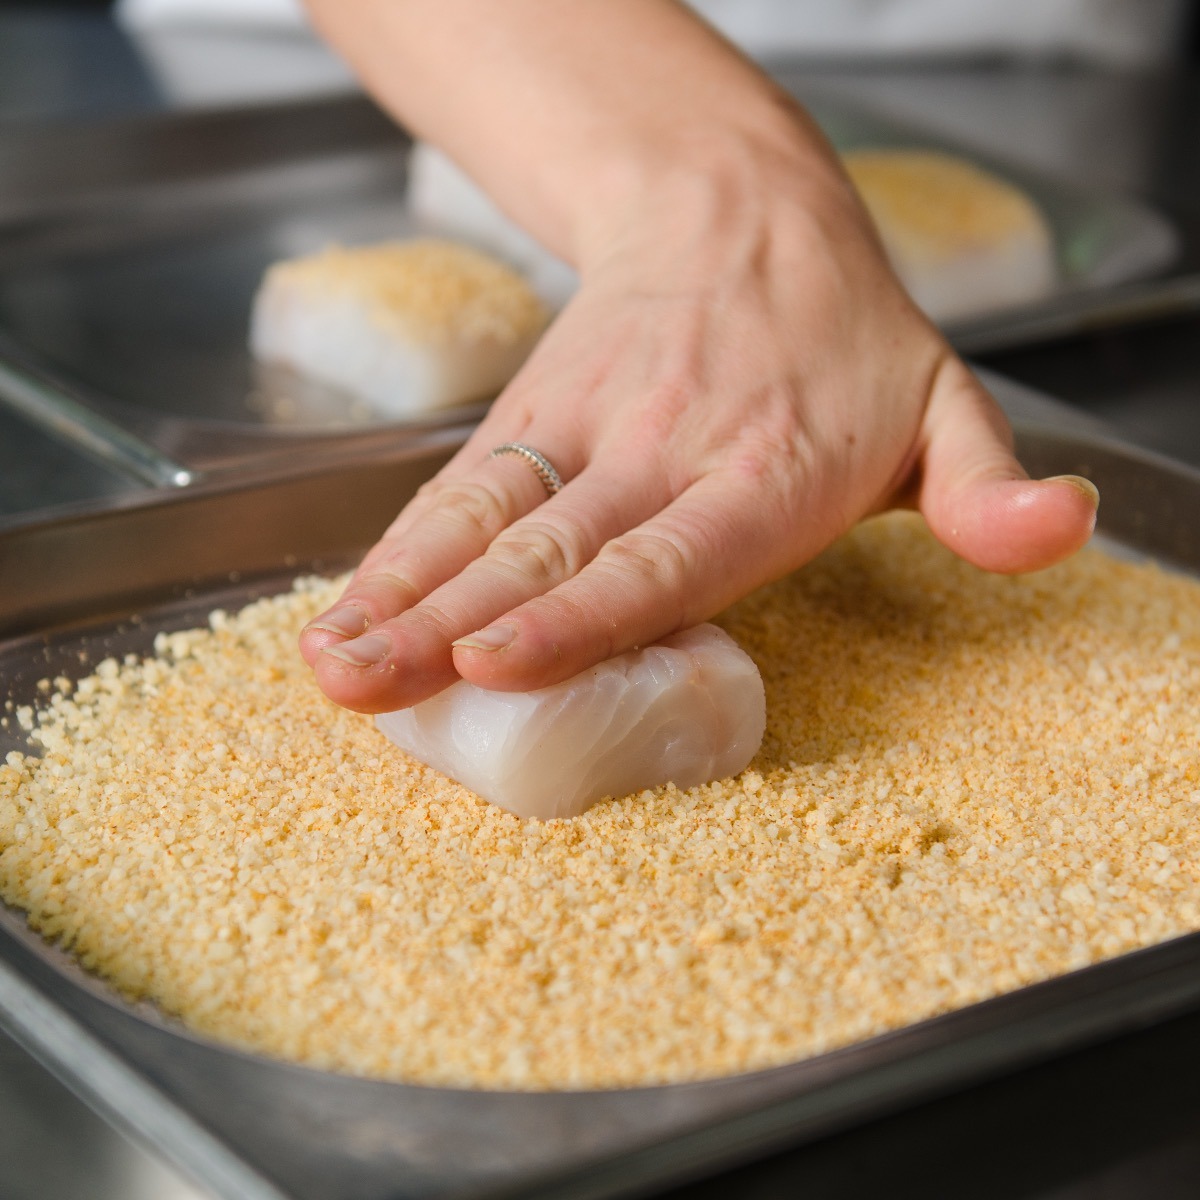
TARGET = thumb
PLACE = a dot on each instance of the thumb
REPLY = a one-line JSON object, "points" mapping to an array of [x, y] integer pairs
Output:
{"points": [[976, 497]]}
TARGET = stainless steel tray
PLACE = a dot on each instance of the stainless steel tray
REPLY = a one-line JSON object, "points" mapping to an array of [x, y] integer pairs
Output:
{"points": [[1118, 258], [128, 261], [105, 582], [125, 290]]}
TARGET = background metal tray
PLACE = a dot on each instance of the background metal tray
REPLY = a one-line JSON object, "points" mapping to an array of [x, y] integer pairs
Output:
{"points": [[245, 1126], [1113, 252], [128, 265]]}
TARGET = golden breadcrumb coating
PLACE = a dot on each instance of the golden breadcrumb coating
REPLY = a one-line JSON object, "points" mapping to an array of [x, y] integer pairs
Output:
{"points": [[968, 783], [942, 204], [426, 289]]}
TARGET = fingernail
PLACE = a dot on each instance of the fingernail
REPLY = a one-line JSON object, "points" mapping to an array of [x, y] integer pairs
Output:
{"points": [[1086, 486], [349, 621], [362, 651], [495, 637]]}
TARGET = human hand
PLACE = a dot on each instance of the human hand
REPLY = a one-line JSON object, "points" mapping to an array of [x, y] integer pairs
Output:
{"points": [[738, 381]]}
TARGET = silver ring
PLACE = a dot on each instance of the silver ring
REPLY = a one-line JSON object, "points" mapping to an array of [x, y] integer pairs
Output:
{"points": [[541, 465]]}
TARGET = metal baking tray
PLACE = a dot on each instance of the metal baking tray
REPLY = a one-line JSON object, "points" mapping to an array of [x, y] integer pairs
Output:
{"points": [[1118, 258], [102, 583], [125, 289], [129, 259]]}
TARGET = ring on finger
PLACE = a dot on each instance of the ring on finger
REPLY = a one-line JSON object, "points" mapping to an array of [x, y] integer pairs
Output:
{"points": [[542, 466]]}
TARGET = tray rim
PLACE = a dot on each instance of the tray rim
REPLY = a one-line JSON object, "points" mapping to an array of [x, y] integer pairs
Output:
{"points": [[740, 1133]]}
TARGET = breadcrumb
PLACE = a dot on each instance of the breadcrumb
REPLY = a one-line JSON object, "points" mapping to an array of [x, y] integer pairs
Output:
{"points": [[433, 290], [968, 783], [941, 200]]}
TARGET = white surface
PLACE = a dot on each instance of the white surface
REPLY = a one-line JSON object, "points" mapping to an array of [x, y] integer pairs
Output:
{"points": [[210, 53], [270, 14], [205, 53], [1113, 31]]}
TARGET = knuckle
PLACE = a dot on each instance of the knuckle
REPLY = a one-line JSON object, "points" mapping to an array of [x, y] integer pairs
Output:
{"points": [[665, 405], [758, 456], [542, 552], [387, 582], [784, 473], [641, 555], [781, 435], [467, 503], [430, 622], [384, 559]]}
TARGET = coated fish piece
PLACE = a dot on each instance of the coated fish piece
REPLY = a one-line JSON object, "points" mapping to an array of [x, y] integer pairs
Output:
{"points": [[687, 710], [964, 241], [410, 327]]}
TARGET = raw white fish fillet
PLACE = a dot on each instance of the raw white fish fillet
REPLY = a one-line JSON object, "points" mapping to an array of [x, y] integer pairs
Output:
{"points": [[687, 710], [411, 327]]}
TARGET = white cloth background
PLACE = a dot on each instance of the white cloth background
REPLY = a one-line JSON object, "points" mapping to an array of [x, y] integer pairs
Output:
{"points": [[1125, 32], [1118, 31], [206, 52]]}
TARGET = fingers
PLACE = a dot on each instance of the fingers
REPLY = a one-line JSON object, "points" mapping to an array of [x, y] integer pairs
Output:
{"points": [[404, 659], [455, 521], [451, 520], [689, 561], [974, 494]]}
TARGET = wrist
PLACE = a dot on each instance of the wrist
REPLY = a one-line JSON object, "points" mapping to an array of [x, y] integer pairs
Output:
{"points": [[698, 180]]}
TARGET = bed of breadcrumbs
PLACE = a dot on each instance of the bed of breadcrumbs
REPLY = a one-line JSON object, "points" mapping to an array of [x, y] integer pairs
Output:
{"points": [[968, 783]]}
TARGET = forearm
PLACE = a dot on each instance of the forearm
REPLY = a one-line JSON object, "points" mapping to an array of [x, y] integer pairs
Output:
{"points": [[572, 112]]}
